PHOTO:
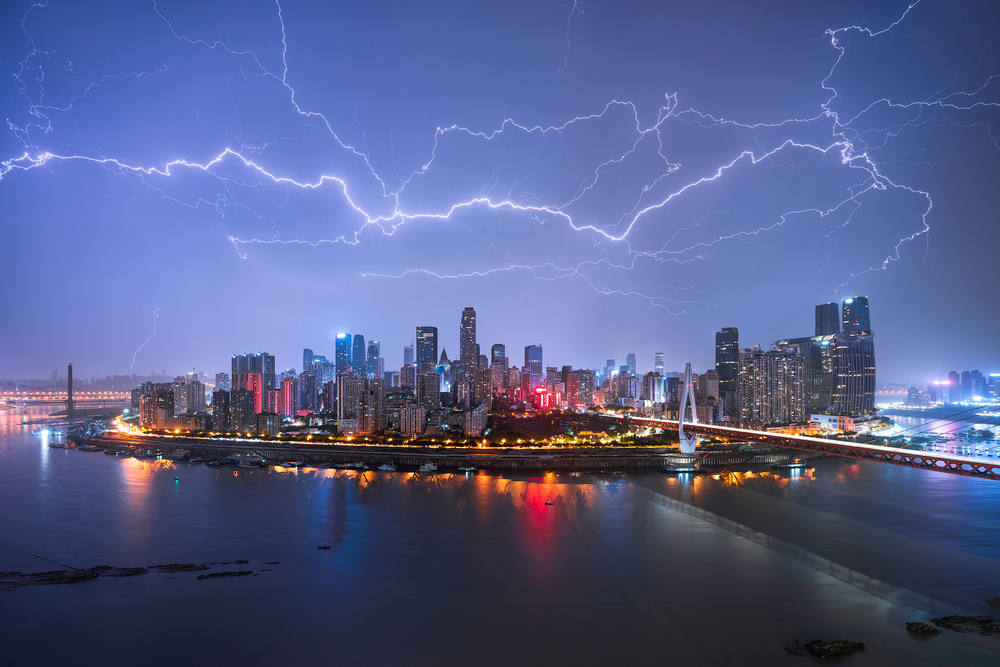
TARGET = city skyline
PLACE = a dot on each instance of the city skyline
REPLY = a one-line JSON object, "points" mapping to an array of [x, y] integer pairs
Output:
{"points": [[181, 184]]}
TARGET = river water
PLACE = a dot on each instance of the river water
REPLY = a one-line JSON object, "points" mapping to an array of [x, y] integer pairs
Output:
{"points": [[486, 568]]}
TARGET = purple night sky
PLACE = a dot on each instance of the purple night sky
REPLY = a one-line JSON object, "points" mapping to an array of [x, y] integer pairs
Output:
{"points": [[597, 177]]}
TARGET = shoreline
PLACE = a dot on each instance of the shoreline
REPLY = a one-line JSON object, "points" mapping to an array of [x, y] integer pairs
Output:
{"points": [[487, 458]]}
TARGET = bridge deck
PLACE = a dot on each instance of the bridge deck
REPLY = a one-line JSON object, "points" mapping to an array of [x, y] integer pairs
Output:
{"points": [[951, 463]]}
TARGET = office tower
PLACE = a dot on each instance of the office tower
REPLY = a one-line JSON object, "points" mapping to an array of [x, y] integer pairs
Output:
{"points": [[727, 365], [630, 364], [727, 357], [533, 365], [840, 368], [343, 353], [359, 364], [772, 388], [498, 355], [408, 357], [827, 319], [427, 345], [467, 353], [954, 388], [609, 369], [856, 317], [307, 358], [658, 362], [374, 352]]}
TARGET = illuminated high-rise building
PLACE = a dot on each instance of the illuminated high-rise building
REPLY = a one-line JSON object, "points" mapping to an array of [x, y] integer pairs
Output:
{"points": [[856, 317], [468, 354], [840, 367], [658, 363], [307, 358], [498, 355], [772, 388], [374, 352], [359, 364], [408, 357], [630, 364], [343, 353], [261, 363], [533, 365], [727, 365], [427, 345]]}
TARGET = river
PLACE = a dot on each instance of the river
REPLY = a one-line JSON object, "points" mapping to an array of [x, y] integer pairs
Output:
{"points": [[492, 569]]}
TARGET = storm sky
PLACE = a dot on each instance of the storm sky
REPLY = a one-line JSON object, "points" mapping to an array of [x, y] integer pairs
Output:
{"points": [[184, 181]]}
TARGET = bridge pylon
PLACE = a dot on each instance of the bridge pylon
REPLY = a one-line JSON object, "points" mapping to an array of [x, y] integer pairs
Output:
{"points": [[688, 441]]}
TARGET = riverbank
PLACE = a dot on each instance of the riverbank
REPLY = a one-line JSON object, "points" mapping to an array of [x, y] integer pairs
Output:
{"points": [[583, 459]]}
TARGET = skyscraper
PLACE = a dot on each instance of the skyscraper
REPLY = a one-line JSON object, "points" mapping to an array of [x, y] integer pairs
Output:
{"points": [[358, 357], [658, 362], [839, 367], [772, 388], [498, 354], [630, 364], [467, 353], [727, 364], [427, 345], [533, 365], [343, 353], [856, 317], [374, 352], [307, 358], [243, 364], [408, 355], [827, 319]]}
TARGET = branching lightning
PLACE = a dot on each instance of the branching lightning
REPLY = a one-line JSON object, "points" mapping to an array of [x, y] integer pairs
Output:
{"points": [[655, 193]]}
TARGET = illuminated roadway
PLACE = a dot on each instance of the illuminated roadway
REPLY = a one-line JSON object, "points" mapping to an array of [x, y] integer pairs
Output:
{"points": [[950, 463]]}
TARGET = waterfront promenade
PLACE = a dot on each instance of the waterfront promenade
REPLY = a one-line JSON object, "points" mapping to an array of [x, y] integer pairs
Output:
{"points": [[596, 458]]}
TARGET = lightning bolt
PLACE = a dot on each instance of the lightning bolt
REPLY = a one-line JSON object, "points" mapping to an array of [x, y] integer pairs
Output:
{"points": [[156, 315], [649, 227]]}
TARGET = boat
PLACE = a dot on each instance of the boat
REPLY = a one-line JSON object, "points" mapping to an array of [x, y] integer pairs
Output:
{"points": [[548, 503], [323, 546], [467, 468], [62, 445], [388, 467], [428, 467], [687, 468], [247, 460], [794, 464], [180, 454], [293, 464]]}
